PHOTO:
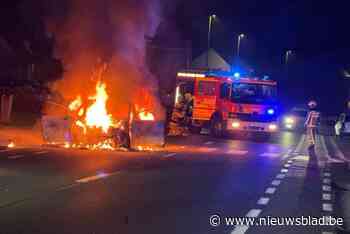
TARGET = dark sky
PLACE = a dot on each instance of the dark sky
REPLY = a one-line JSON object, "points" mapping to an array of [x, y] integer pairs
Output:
{"points": [[310, 27], [314, 30]]}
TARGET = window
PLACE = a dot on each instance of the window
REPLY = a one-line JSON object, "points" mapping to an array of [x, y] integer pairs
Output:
{"points": [[206, 88], [253, 93], [225, 91]]}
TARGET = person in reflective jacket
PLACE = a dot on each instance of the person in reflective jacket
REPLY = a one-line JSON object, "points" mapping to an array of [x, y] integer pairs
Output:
{"points": [[311, 124]]}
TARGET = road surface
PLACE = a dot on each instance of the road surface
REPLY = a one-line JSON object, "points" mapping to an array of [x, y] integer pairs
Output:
{"points": [[176, 190]]}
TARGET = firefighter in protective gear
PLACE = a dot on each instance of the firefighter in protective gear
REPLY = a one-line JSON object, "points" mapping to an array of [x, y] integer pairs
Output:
{"points": [[311, 123]]}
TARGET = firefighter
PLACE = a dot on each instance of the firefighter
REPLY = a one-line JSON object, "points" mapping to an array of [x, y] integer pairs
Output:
{"points": [[311, 124]]}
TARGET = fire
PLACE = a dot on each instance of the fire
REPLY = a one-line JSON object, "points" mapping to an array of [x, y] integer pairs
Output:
{"points": [[11, 145], [96, 114], [146, 116], [74, 105]]}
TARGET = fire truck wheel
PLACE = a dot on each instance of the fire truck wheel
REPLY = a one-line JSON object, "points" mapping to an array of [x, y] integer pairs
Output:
{"points": [[216, 127]]}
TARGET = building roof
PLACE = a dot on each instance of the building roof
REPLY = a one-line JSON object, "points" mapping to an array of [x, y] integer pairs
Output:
{"points": [[210, 60]]}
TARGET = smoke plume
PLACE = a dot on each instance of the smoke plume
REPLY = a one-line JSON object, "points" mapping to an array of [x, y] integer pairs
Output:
{"points": [[91, 34]]}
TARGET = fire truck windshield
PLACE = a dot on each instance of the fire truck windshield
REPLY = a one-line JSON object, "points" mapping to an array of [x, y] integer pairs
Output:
{"points": [[253, 93]]}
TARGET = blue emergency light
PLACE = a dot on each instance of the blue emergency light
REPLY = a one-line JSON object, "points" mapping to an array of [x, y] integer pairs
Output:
{"points": [[270, 111], [237, 75]]}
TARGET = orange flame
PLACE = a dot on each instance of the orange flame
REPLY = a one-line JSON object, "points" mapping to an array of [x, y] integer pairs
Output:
{"points": [[146, 116], [74, 105], [96, 114]]}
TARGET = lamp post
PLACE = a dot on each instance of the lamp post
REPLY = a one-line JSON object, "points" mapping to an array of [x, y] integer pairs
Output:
{"points": [[288, 53], [211, 18], [240, 37]]}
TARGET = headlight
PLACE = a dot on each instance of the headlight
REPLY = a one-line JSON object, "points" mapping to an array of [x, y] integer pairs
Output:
{"points": [[235, 124], [289, 120], [272, 127]]}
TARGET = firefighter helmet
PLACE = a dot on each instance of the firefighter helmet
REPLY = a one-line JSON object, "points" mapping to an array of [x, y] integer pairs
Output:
{"points": [[312, 104]]}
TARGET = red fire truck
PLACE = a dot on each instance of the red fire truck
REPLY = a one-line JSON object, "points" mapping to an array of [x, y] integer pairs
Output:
{"points": [[224, 102]]}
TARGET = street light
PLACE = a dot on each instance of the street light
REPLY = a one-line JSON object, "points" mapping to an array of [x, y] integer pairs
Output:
{"points": [[211, 18], [240, 37], [288, 53]]}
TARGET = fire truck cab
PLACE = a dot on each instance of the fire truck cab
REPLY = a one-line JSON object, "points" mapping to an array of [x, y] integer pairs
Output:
{"points": [[224, 103]]}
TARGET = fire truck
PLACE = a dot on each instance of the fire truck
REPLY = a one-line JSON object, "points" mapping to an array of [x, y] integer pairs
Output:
{"points": [[227, 103]]}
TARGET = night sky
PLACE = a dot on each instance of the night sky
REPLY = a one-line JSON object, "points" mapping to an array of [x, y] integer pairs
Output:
{"points": [[316, 31]]}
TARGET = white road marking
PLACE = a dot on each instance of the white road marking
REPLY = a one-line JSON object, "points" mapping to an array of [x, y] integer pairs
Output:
{"points": [[276, 182], [284, 170], [270, 190], [327, 181], [263, 201], [327, 232], [287, 165], [16, 156], [169, 155], [287, 154], [280, 176], [238, 152], [41, 152], [6, 150], [209, 143], [253, 213], [240, 229], [272, 155], [93, 178], [327, 207], [326, 188], [327, 174], [290, 161], [326, 196]]}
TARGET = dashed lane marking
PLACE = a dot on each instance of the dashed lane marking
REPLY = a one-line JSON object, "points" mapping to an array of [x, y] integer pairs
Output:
{"points": [[263, 201], [284, 170], [327, 181], [326, 188], [327, 207], [280, 176], [327, 174], [241, 229], [16, 156], [276, 182], [270, 190], [326, 196], [41, 152], [169, 155], [286, 165], [253, 213], [95, 177], [209, 143]]}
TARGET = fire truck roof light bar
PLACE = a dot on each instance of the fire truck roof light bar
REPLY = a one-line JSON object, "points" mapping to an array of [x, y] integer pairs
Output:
{"points": [[194, 75]]}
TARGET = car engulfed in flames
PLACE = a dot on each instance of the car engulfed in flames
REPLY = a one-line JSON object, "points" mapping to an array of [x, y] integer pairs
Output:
{"points": [[93, 127]]}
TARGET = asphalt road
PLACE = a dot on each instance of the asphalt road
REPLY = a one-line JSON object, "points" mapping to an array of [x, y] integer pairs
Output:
{"points": [[176, 190]]}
